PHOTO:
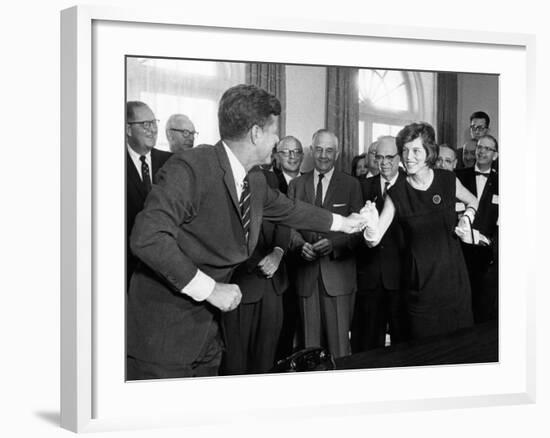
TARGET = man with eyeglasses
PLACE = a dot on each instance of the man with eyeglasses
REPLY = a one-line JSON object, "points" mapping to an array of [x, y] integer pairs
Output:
{"points": [[326, 278], [142, 164], [446, 159], [479, 126], [180, 132], [201, 220], [482, 181], [290, 155], [380, 300]]}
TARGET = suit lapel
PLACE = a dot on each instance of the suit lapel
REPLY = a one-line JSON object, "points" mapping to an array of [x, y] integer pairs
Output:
{"points": [[331, 190], [133, 176], [378, 192], [309, 188]]}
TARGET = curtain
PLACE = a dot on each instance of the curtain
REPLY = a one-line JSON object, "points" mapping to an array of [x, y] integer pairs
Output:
{"points": [[342, 116], [447, 102], [270, 77]]}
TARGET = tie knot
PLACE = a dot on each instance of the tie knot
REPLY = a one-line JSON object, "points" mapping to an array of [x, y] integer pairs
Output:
{"points": [[321, 176], [142, 158], [482, 174]]}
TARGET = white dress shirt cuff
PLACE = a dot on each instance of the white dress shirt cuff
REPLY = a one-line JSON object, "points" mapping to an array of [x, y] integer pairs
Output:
{"points": [[336, 222], [200, 287]]}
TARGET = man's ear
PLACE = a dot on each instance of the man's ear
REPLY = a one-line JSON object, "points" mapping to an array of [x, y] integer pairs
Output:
{"points": [[255, 134], [495, 156], [128, 130], [337, 155]]}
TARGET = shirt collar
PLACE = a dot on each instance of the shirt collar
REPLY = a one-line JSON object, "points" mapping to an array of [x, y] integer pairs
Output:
{"points": [[237, 168], [135, 156], [327, 175], [392, 181], [477, 169]]}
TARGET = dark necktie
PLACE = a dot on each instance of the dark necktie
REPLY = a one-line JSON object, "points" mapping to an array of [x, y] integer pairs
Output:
{"points": [[319, 191], [145, 175], [486, 175], [386, 185], [244, 206]]}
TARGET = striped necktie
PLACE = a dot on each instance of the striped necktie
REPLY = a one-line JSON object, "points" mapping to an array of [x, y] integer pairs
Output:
{"points": [[244, 206], [145, 175]]}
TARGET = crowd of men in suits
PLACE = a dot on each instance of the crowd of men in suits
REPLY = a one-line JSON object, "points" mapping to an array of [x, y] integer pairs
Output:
{"points": [[233, 265]]}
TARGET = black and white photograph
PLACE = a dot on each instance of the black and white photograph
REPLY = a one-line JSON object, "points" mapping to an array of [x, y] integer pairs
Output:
{"points": [[289, 217]]}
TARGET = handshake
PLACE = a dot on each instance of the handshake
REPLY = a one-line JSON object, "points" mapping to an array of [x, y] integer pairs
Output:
{"points": [[366, 220]]}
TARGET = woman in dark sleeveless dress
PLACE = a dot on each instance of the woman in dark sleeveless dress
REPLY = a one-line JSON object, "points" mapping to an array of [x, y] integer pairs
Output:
{"points": [[436, 279]]}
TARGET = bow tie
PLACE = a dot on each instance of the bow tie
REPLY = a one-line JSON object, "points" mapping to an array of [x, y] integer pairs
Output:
{"points": [[486, 175]]}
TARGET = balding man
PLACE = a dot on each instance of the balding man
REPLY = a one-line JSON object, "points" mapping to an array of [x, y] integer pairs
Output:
{"points": [[180, 132], [446, 159], [289, 156], [326, 279]]}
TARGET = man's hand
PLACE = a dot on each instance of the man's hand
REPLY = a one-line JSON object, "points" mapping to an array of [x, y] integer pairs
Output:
{"points": [[225, 297], [270, 263], [308, 253], [352, 224], [323, 247]]}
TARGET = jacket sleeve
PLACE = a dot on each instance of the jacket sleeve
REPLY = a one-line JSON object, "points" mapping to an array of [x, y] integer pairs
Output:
{"points": [[172, 201]]}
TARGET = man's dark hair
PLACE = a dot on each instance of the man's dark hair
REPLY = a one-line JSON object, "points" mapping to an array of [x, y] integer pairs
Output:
{"points": [[426, 132], [243, 106], [481, 115], [131, 107]]}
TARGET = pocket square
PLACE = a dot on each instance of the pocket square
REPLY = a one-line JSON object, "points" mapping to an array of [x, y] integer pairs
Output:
{"points": [[338, 205]]}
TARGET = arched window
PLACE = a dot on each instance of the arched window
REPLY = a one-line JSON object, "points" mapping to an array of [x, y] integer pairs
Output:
{"points": [[390, 99]]}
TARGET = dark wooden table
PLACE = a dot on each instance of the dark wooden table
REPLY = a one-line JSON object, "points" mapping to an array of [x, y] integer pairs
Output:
{"points": [[478, 344]]}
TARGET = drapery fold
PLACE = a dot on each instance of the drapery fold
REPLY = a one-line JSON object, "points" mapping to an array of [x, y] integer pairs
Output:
{"points": [[447, 103], [342, 115], [270, 77]]}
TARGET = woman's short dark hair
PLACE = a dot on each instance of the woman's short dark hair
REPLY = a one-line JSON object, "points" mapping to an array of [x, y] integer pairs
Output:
{"points": [[243, 106], [426, 132], [355, 162]]}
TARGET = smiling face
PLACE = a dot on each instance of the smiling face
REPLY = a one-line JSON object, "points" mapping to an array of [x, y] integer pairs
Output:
{"points": [[486, 153], [387, 158], [325, 151], [414, 156], [290, 155], [139, 138]]}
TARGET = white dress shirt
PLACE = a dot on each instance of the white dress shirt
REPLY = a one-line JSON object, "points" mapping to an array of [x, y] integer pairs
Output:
{"points": [[136, 159], [324, 182], [481, 181]]}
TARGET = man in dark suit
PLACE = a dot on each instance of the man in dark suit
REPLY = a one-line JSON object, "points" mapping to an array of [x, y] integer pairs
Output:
{"points": [[380, 300], [290, 155], [482, 181], [252, 330], [479, 126], [326, 280], [142, 164], [200, 221]]}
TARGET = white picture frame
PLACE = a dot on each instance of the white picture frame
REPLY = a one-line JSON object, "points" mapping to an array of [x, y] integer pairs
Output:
{"points": [[93, 397]]}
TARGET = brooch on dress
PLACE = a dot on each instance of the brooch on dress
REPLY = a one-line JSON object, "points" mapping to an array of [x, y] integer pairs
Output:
{"points": [[436, 199]]}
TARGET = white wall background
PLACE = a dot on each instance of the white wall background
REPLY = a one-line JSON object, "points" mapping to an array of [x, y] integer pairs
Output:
{"points": [[29, 314]]}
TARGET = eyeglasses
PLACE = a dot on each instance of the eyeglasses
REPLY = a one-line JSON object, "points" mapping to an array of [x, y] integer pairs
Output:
{"points": [[478, 128], [485, 149], [381, 158], [288, 153], [146, 124], [185, 132], [445, 160]]}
